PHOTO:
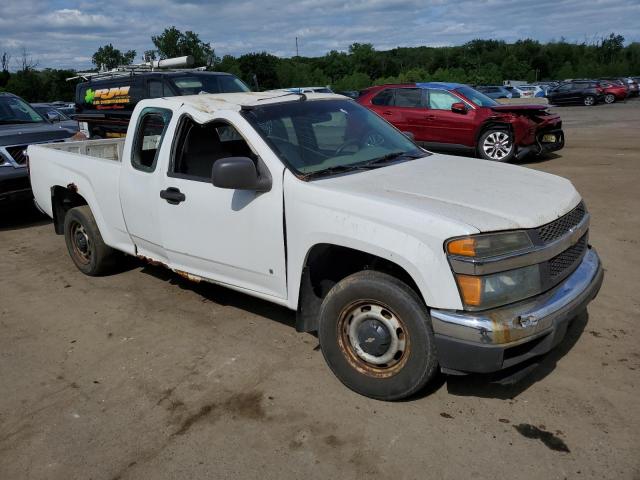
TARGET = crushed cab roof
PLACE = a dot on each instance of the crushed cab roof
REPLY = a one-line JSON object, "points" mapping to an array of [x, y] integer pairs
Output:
{"points": [[209, 102]]}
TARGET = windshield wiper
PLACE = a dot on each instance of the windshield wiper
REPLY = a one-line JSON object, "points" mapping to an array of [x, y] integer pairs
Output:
{"points": [[335, 169], [368, 165], [380, 161]]}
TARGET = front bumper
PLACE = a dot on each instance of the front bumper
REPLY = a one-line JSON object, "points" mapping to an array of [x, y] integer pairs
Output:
{"points": [[496, 339], [14, 183], [540, 147]]}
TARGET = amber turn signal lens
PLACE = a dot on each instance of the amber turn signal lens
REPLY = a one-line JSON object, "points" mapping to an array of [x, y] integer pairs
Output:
{"points": [[463, 246], [470, 288]]}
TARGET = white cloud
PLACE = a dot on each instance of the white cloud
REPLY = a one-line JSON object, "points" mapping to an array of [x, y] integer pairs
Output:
{"points": [[65, 33]]}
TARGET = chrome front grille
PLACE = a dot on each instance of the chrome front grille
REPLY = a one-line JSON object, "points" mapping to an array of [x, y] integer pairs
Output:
{"points": [[558, 228], [18, 153]]}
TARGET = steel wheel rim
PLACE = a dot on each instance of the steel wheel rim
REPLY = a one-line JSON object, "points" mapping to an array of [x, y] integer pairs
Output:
{"points": [[609, 98], [497, 145], [353, 318], [81, 243], [588, 101]]}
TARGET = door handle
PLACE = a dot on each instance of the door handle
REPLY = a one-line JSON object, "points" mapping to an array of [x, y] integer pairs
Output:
{"points": [[172, 195], [387, 112], [430, 117]]}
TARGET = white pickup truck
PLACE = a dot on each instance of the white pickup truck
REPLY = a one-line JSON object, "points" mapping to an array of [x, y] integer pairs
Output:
{"points": [[403, 261]]}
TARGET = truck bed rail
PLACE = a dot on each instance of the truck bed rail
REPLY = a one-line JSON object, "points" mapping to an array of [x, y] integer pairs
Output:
{"points": [[108, 149]]}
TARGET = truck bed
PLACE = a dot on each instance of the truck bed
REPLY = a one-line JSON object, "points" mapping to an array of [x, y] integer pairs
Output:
{"points": [[109, 149], [91, 168]]}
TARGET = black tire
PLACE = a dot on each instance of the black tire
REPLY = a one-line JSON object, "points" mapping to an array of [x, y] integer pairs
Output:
{"points": [[84, 242], [377, 295], [496, 144], [589, 101], [609, 98]]}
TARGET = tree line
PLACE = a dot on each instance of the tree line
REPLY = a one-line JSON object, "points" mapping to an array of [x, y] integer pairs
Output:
{"points": [[475, 62]]}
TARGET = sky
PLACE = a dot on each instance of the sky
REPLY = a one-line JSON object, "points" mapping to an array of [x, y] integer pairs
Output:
{"points": [[65, 33]]}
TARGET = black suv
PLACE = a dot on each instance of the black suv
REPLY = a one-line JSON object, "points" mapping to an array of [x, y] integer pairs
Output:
{"points": [[583, 92], [104, 103], [21, 126]]}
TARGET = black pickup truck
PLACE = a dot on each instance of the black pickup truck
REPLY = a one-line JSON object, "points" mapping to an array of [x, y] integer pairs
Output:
{"points": [[21, 126]]}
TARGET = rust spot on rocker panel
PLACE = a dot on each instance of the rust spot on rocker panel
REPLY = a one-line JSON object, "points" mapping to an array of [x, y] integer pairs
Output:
{"points": [[189, 276], [151, 261]]}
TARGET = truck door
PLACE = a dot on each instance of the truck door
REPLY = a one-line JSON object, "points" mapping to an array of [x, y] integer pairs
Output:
{"points": [[235, 237], [140, 183]]}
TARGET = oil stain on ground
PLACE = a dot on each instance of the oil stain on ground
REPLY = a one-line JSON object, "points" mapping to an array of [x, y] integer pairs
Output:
{"points": [[239, 405], [548, 438]]}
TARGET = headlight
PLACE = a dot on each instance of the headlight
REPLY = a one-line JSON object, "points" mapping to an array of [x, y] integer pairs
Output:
{"points": [[480, 292], [489, 245]]}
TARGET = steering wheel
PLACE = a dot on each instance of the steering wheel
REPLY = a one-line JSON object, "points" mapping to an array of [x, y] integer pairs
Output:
{"points": [[351, 141], [369, 139]]}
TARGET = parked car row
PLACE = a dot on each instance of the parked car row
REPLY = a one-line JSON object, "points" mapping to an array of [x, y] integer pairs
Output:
{"points": [[579, 91]]}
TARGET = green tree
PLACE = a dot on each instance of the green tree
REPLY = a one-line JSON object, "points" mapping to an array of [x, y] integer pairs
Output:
{"points": [[28, 85], [174, 43], [355, 81], [565, 72], [109, 57], [611, 46], [259, 68]]}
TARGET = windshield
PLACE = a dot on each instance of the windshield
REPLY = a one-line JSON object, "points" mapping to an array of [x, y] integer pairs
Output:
{"points": [[45, 110], [480, 99], [325, 136], [195, 84], [16, 110]]}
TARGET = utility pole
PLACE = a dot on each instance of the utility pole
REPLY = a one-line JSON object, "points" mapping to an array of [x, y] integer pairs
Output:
{"points": [[297, 52]]}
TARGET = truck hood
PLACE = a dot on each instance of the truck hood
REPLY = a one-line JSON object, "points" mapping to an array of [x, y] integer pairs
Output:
{"points": [[26, 134], [484, 195]]}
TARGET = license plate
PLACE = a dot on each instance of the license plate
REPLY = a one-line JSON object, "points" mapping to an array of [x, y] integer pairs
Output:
{"points": [[549, 138]]}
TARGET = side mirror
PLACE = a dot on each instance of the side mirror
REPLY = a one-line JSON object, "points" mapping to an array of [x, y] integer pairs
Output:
{"points": [[239, 173], [53, 117], [459, 107]]}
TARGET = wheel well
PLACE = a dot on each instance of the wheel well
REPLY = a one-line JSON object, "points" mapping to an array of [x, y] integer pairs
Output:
{"points": [[64, 199], [325, 266], [492, 125]]}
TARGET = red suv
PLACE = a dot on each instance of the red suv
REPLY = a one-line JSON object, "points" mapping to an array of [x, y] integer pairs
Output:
{"points": [[453, 116], [613, 91]]}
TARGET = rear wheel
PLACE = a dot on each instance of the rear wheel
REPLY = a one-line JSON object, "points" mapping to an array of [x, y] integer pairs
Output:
{"points": [[84, 242], [589, 100], [496, 145], [609, 98], [376, 336]]}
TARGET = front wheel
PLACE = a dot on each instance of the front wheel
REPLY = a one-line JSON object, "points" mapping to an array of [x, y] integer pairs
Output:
{"points": [[609, 98], [376, 336], [496, 145], [589, 100], [84, 242]]}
